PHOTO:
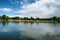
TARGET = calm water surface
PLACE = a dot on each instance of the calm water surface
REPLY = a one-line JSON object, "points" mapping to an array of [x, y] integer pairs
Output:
{"points": [[29, 31]]}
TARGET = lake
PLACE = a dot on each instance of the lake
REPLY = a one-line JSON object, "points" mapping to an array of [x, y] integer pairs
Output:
{"points": [[29, 31]]}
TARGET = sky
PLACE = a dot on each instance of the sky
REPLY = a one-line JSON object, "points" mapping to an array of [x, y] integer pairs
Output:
{"points": [[28, 8]]}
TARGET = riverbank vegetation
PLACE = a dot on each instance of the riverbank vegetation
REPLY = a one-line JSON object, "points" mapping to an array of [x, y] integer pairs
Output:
{"points": [[31, 19]]}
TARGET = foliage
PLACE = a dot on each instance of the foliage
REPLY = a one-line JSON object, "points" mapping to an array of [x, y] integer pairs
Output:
{"points": [[54, 18], [15, 18], [37, 18], [4, 17], [31, 18]]}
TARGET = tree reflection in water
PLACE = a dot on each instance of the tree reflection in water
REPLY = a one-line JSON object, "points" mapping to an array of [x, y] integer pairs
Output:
{"points": [[4, 23]]}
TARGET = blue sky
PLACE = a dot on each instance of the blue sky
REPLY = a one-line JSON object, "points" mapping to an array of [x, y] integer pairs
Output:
{"points": [[14, 4], [28, 8]]}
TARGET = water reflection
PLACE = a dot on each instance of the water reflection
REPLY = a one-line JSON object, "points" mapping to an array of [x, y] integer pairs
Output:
{"points": [[9, 35], [13, 35], [42, 31], [29, 31], [4, 23], [31, 23], [16, 22]]}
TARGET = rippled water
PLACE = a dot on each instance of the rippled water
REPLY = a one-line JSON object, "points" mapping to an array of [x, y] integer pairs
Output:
{"points": [[29, 31]]}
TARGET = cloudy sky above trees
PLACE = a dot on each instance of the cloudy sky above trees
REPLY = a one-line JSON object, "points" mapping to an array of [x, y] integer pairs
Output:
{"points": [[28, 8]]}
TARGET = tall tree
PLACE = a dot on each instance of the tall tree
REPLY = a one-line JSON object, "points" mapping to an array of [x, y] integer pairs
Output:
{"points": [[4, 17], [32, 18], [0, 17], [54, 18]]}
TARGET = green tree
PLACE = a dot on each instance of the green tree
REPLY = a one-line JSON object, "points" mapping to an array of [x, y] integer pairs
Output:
{"points": [[7, 17], [0, 17], [32, 18], [3, 17], [54, 18], [37, 18], [58, 19], [26, 18], [15, 18]]}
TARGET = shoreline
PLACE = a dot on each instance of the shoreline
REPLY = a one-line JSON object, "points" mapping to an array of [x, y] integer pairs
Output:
{"points": [[51, 21]]}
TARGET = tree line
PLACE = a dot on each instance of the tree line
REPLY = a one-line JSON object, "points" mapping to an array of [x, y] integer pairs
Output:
{"points": [[4, 17]]}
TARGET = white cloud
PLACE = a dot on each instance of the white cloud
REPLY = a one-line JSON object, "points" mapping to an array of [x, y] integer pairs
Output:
{"points": [[6, 9], [41, 8]]}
